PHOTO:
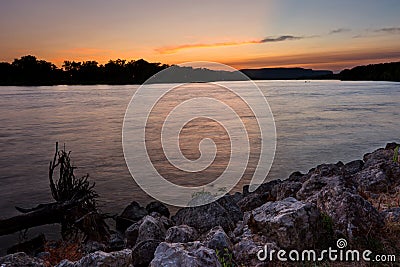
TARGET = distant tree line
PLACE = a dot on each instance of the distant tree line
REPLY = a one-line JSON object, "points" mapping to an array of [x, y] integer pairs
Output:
{"points": [[373, 72], [28, 70]]}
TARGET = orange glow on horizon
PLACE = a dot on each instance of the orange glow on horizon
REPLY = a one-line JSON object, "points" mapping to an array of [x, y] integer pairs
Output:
{"points": [[232, 55], [174, 49]]}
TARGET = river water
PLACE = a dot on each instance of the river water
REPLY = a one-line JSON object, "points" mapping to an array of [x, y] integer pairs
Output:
{"points": [[316, 122]]}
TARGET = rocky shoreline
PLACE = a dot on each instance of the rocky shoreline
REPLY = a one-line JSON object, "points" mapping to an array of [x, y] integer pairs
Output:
{"points": [[358, 202]]}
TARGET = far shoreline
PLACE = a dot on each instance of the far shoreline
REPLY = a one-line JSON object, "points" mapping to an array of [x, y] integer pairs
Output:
{"points": [[29, 71]]}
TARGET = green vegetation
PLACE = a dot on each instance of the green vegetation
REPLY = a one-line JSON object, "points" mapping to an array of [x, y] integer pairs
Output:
{"points": [[327, 223], [396, 154], [225, 257], [203, 193]]}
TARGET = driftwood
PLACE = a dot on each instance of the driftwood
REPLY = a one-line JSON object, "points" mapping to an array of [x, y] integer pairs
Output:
{"points": [[41, 215], [75, 206]]}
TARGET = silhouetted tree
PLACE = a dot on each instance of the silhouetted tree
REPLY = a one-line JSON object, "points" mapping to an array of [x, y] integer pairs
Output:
{"points": [[141, 70], [373, 72], [116, 72], [29, 70], [7, 74]]}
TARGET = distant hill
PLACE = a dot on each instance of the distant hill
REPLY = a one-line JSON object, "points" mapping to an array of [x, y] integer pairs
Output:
{"points": [[285, 73], [372, 72]]}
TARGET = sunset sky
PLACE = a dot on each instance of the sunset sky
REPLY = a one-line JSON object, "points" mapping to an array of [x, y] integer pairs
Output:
{"points": [[244, 34]]}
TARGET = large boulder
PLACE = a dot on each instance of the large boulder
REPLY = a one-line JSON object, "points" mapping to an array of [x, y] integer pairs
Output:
{"points": [[247, 245], [352, 215], [143, 252], [263, 188], [380, 173], [145, 235], [290, 223], [217, 239], [148, 228], [324, 175], [20, 259], [287, 188], [181, 234], [157, 206], [223, 212], [353, 167], [192, 254], [131, 214], [121, 258], [116, 242], [254, 200], [261, 195], [333, 189], [246, 250]]}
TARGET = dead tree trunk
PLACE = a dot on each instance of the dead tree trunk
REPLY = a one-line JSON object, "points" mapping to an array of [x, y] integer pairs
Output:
{"points": [[75, 206], [41, 215]]}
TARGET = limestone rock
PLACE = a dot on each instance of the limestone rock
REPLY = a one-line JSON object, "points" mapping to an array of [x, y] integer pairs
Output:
{"points": [[121, 258], [20, 259], [290, 223], [131, 214], [158, 207], [181, 234], [192, 254], [223, 212], [217, 239]]}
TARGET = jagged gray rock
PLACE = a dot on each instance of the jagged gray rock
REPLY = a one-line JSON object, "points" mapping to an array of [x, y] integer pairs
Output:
{"points": [[181, 234], [290, 223], [121, 258], [145, 235], [223, 212], [333, 190], [246, 250], [217, 239], [352, 215], [148, 228], [380, 174], [157, 206], [192, 254], [261, 195], [20, 259], [131, 214], [287, 188], [116, 242], [143, 252]]}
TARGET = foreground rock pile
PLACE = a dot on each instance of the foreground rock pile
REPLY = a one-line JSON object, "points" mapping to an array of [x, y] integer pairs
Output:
{"points": [[358, 201]]}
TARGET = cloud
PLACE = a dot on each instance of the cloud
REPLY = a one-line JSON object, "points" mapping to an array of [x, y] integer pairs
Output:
{"points": [[339, 30], [175, 49], [281, 39], [390, 30]]}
